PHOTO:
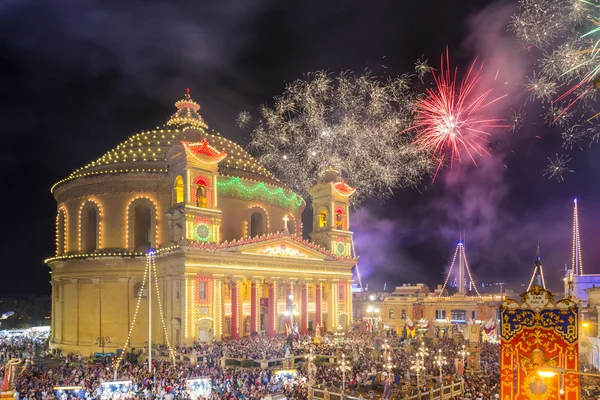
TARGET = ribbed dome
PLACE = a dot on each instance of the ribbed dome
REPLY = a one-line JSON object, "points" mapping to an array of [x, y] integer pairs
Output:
{"points": [[146, 151]]}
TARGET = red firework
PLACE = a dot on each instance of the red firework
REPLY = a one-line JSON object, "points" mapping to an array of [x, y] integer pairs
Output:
{"points": [[450, 120]]}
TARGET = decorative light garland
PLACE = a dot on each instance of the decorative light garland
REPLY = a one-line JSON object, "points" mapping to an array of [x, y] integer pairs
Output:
{"points": [[449, 272], [576, 262], [64, 229], [245, 241], [259, 191], [118, 360], [98, 222], [160, 307]]}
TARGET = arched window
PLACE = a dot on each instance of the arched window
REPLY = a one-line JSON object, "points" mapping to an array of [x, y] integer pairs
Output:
{"points": [[291, 224], [391, 313], [61, 232], [201, 192], [90, 227], [142, 227], [140, 291], [257, 224], [323, 217], [339, 219], [178, 192]]}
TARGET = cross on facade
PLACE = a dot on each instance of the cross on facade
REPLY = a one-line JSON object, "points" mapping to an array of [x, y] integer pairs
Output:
{"points": [[285, 221]]}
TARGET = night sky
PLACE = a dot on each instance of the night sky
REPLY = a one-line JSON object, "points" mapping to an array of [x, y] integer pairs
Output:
{"points": [[78, 77]]}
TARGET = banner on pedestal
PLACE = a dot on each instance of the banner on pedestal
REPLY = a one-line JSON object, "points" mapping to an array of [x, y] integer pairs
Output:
{"points": [[538, 331]]}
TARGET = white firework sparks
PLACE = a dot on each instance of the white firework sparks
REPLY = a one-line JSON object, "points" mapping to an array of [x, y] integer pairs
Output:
{"points": [[565, 35], [422, 67], [243, 119], [355, 124], [557, 167]]}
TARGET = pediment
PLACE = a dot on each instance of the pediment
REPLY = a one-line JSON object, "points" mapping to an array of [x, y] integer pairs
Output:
{"points": [[286, 247]]}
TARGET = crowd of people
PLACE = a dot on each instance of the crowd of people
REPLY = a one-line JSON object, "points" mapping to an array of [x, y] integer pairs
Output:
{"points": [[380, 365]]}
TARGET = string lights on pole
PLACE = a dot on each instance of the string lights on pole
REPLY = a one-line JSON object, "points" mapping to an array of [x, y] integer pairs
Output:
{"points": [[344, 366], [440, 361], [576, 262], [418, 363]]}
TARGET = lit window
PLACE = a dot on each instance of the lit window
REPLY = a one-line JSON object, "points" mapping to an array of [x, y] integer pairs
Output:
{"points": [[179, 190], [440, 314], [201, 195], [202, 290], [323, 218], [339, 220], [391, 313]]}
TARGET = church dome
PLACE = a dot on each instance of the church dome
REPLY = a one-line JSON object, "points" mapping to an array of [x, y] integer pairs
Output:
{"points": [[146, 151]]}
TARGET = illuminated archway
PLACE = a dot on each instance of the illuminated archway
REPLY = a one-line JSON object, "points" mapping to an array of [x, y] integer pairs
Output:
{"points": [[90, 226], [142, 224]]}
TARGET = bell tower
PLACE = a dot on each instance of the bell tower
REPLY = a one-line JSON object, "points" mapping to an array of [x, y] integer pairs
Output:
{"points": [[331, 213], [193, 170]]}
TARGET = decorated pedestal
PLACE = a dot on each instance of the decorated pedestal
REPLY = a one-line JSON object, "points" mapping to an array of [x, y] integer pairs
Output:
{"points": [[538, 331]]}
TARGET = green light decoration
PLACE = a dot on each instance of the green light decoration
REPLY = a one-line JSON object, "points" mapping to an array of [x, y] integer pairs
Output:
{"points": [[202, 232], [259, 191]]}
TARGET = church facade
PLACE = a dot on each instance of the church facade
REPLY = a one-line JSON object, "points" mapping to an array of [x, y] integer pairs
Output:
{"points": [[182, 227]]}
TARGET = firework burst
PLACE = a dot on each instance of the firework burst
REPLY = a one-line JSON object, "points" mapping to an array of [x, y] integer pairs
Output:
{"points": [[557, 167], [355, 124], [243, 119], [565, 34], [450, 119]]}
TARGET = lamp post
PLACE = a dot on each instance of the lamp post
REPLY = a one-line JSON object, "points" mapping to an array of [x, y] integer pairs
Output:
{"points": [[344, 366], [440, 361], [463, 353], [102, 341], [386, 348], [389, 366], [311, 368], [373, 310], [339, 335], [418, 364]]}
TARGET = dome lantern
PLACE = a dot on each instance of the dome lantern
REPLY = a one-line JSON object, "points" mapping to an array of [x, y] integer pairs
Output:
{"points": [[187, 113]]}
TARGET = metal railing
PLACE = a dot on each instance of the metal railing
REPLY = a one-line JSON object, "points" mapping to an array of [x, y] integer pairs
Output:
{"points": [[449, 391]]}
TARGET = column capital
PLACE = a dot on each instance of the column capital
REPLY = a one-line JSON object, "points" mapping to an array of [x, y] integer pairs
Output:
{"points": [[257, 278], [218, 276]]}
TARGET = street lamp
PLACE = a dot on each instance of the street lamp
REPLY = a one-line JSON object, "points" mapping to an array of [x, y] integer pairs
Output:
{"points": [[419, 362], [344, 366], [389, 366], [546, 371], [440, 361], [311, 368], [463, 353], [339, 335], [102, 341], [386, 348]]}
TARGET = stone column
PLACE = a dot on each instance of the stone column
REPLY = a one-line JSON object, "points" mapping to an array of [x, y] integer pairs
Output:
{"points": [[349, 303], [318, 295], [303, 309], [217, 307], [235, 309], [272, 309], [288, 291], [254, 307]]}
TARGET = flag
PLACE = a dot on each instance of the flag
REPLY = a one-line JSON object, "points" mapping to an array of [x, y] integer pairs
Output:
{"points": [[490, 326], [287, 329], [461, 369], [409, 324]]}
